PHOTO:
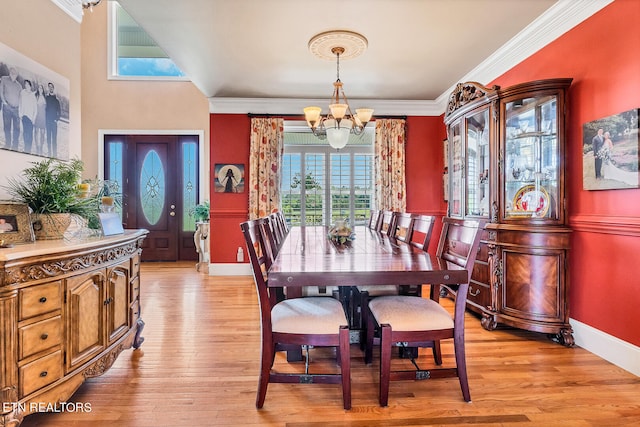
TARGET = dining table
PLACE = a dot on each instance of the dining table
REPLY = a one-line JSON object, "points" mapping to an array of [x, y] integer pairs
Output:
{"points": [[308, 257]]}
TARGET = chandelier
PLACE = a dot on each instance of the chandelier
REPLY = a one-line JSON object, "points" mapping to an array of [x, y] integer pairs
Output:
{"points": [[340, 122], [88, 4]]}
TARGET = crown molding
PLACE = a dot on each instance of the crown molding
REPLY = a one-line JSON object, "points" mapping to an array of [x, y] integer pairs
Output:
{"points": [[289, 106], [554, 22], [73, 8]]}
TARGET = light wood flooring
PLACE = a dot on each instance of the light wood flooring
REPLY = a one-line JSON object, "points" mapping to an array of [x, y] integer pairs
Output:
{"points": [[199, 365]]}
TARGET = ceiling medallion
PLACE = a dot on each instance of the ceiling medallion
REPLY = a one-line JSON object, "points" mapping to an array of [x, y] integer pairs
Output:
{"points": [[322, 45]]}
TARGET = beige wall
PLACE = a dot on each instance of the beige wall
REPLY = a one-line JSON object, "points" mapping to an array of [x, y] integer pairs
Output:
{"points": [[41, 31], [131, 105]]}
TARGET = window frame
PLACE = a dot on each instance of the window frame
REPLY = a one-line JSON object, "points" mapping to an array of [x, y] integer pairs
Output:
{"points": [[112, 52], [324, 149]]}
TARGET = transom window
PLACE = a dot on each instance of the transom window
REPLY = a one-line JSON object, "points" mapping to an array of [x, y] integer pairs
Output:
{"points": [[321, 185], [133, 53]]}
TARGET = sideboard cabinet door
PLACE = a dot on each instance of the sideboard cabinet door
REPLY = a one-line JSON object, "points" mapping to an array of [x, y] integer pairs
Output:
{"points": [[86, 297]]}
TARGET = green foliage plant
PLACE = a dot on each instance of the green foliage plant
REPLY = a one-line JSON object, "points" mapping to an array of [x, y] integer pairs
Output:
{"points": [[51, 186]]}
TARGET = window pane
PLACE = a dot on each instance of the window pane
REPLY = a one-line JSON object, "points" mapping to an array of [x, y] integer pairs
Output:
{"points": [[291, 168], [362, 187], [190, 188], [136, 54], [152, 187], [313, 189], [340, 187]]}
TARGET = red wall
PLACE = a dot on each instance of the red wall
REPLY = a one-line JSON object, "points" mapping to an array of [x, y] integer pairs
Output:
{"points": [[423, 169], [229, 135], [601, 55]]}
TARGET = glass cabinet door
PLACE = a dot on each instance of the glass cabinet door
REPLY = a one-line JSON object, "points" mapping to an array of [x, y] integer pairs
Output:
{"points": [[477, 137], [457, 171], [531, 158]]}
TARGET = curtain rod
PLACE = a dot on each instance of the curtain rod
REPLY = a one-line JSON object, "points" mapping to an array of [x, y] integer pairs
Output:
{"points": [[251, 115]]}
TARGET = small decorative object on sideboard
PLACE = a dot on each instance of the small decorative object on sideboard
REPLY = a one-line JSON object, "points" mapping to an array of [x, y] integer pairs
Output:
{"points": [[341, 233]]}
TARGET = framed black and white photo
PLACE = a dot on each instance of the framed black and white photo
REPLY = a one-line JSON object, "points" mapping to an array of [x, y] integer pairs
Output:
{"points": [[15, 224], [35, 107]]}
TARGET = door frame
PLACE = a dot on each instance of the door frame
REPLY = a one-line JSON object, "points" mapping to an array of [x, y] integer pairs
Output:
{"points": [[203, 170]]}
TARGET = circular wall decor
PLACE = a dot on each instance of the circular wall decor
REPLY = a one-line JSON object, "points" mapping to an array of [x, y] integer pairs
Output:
{"points": [[323, 45]]}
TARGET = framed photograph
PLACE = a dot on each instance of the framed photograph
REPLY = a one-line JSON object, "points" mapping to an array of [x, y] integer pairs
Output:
{"points": [[111, 223], [610, 152], [228, 178], [45, 131], [15, 224]]}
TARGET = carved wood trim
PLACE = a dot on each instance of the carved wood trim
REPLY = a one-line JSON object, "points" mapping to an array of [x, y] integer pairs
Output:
{"points": [[103, 364], [465, 93], [37, 269]]}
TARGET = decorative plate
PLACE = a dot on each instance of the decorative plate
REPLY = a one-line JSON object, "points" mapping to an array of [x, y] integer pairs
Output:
{"points": [[531, 202]]}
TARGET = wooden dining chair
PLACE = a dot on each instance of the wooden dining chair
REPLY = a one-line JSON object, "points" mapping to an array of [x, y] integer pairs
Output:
{"points": [[373, 219], [421, 322], [277, 230], [402, 226], [307, 322], [386, 222], [421, 229]]}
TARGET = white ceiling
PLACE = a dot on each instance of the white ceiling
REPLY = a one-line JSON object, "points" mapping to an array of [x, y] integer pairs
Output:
{"points": [[247, 54]]}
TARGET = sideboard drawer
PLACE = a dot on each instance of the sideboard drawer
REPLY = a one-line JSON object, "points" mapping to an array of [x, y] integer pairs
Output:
{"points": [[40, 373], [40, 299], [40, 336]]}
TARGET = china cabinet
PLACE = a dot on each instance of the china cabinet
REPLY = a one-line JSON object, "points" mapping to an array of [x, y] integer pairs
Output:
{"points": [[507, 167], [67, 310]]}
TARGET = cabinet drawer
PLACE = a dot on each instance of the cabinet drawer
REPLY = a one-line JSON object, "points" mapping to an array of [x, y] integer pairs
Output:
{"points": [[39, 336], [40, 373], [479, 294], [135, 265], [135, 288], [135, 312], [40, 299]]}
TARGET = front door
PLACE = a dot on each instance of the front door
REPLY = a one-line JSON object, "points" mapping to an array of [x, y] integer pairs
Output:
{"points": [[158, 176]]}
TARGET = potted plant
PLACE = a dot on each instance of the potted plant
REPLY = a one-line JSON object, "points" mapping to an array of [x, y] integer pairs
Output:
{"points": [[200, 212], [51, 190]]}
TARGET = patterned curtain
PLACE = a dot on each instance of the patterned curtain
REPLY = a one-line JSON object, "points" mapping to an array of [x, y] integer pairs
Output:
{"points": [[389, 164], [265, 160]]}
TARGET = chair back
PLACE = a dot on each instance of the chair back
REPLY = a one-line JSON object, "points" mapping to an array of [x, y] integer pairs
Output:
{"points": [[459, 242], [277, 231], [283, 223], [421, 230], [373, 219], [261, 258], [402, 226], [386, 222]]}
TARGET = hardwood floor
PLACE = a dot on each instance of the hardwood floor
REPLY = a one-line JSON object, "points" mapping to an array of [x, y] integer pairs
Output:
{"points": [[199, 364]]}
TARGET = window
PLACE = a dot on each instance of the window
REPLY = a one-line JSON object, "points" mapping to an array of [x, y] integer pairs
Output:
{"points": [[133, 54], [321, 185]]}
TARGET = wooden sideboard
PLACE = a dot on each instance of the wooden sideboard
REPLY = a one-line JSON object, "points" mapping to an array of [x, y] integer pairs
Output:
{"points": [[67, 310]]}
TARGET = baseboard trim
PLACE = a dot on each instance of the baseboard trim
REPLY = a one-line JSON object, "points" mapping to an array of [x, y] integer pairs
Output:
{"points": [[230, 269], [608, 347]]}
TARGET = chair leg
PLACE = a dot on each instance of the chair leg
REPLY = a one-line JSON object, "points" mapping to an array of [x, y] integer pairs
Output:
{"points": [[437, 353], [461, 364], [363, 303], [370, 330], [385, 363], [266, 363], [345, 366]]}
